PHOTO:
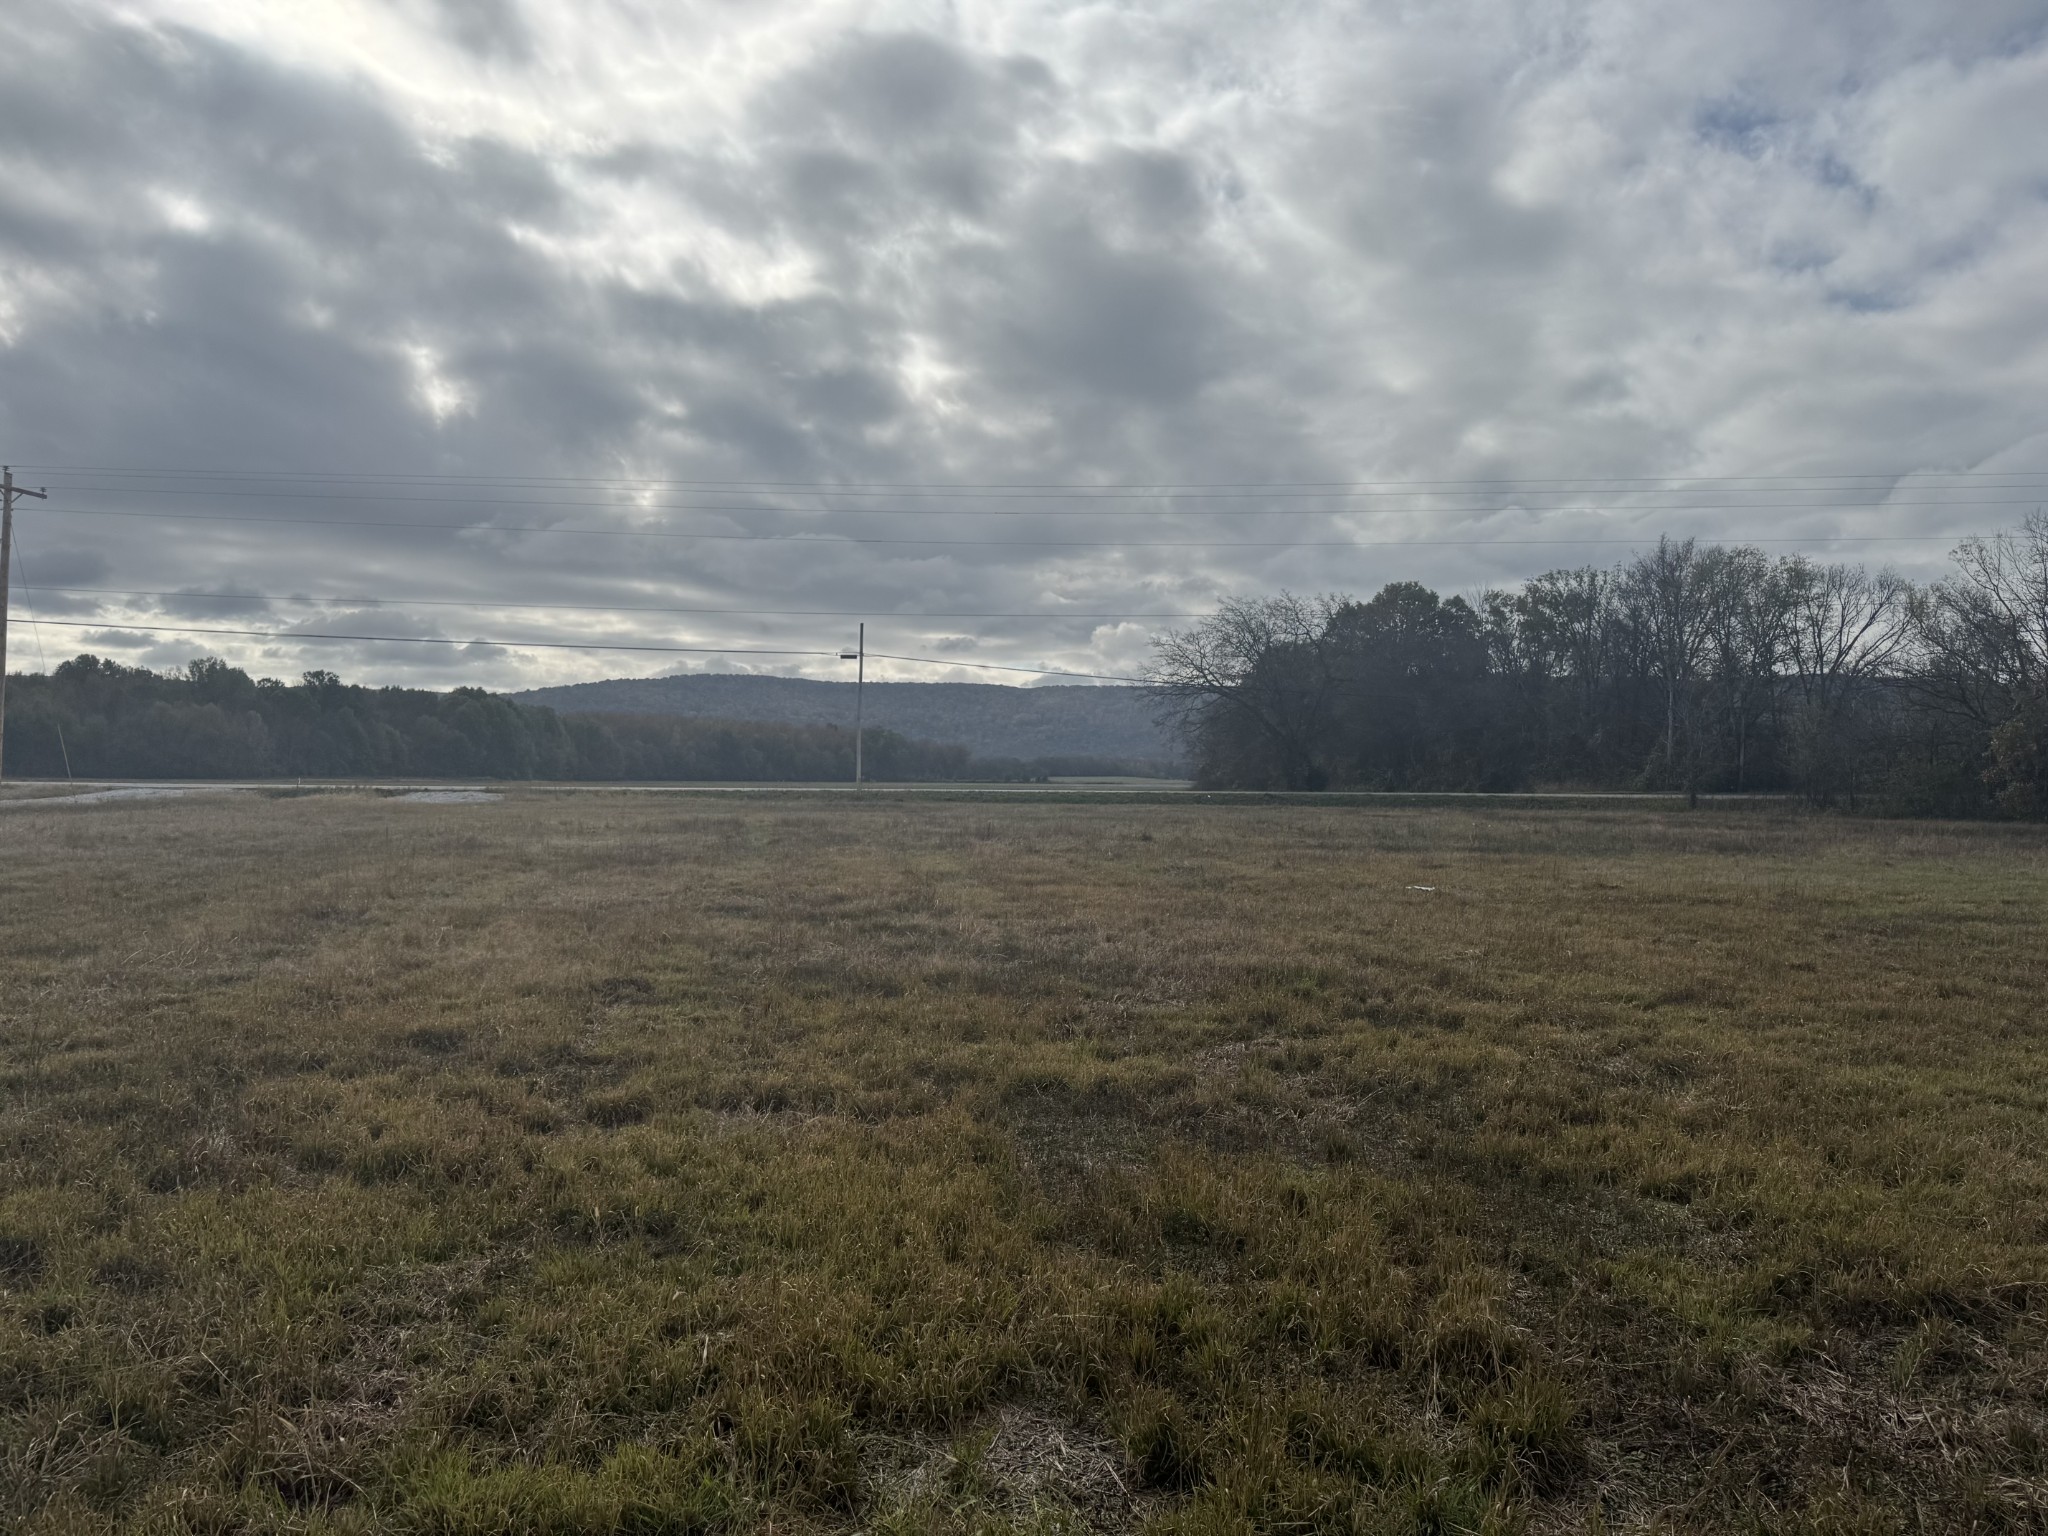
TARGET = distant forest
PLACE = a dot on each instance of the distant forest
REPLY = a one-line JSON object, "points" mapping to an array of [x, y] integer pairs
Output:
{"points": [[98, 719], [1692, 668], [1695, 668]]}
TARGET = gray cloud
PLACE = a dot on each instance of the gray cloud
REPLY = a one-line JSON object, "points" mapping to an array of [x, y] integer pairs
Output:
{"points": [[891, 91], [1031, 245], [487, 28]]}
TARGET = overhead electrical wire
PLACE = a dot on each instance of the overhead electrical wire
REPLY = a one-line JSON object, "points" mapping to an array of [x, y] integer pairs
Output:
{"points": [[562, 645], [989, 666], [34, 624], [1092, 508], [1089, 499], [1054, 488], [853, 539], [20, 556], [431, 602], [547, 645]]}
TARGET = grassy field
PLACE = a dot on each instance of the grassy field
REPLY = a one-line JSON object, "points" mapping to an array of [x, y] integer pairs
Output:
{"points": [[610, 1163]]}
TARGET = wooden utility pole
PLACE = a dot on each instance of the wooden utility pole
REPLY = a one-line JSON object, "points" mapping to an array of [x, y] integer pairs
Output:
{"points": [[8, 492]]}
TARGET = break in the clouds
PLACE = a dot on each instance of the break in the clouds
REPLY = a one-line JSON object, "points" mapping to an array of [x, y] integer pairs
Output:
{"points": [[946, 247]]}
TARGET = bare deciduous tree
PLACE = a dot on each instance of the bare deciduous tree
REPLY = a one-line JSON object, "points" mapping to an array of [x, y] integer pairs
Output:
{"points": [[1691, 666], [1676, 596], [1984, 633], [1848, 632], [1262, 664], [1751, 617]]}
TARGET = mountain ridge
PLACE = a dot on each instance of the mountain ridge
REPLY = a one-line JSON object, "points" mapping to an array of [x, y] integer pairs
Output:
{"points": [[989, 719]]}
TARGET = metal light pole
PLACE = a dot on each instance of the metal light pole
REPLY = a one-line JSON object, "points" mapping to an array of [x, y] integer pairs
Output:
{"points": [[859, 656]]}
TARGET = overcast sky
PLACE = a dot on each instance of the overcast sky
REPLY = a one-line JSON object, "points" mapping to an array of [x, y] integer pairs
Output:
{"points": [[908, 252]]}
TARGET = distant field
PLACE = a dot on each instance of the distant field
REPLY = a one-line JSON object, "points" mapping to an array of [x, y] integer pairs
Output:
{"points": [[648, 1163]]}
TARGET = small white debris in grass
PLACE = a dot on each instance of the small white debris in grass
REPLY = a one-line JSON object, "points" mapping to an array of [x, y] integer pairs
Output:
{"points": [[1421, 887]]}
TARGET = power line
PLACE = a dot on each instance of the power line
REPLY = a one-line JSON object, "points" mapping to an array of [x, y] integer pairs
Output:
{"points": [[42, 656], [1091, 504], [1248, 487], [34, 627], [987, 666], [855, 539], [546, 645], [425, 602], [560, 645]]}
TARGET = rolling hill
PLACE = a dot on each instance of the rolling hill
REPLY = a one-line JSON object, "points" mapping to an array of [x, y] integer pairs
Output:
{"points": [[989, 719]]}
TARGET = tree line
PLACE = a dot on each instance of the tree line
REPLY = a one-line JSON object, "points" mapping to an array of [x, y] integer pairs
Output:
{"points": [[1691, 667], [94, 718]]}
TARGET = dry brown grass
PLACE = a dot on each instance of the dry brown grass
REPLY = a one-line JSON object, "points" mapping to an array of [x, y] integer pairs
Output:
{"points": [[615, 1163]]}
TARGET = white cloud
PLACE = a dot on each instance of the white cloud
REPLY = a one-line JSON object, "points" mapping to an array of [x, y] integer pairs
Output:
{"points": [[984, 243]]}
